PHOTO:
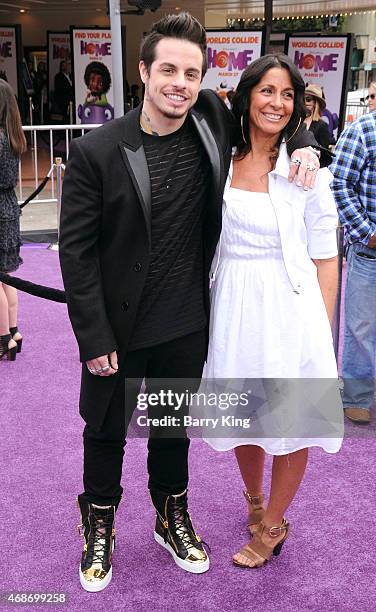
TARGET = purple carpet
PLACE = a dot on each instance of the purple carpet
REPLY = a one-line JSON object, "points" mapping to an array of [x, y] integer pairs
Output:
{"points": [[327, 563]]}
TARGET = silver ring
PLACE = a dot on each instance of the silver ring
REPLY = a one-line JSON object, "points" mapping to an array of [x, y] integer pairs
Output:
{"points": [[91, 370], [296, 161], [99, 371], [107, 367]]}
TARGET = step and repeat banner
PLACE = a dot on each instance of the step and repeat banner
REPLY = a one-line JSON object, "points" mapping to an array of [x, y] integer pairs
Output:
{"points": [[229, 53], [325, 62]]}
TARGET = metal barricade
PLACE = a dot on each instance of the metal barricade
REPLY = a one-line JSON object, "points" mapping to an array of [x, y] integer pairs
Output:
{"points": [[41, 139], [353, 112], [46, 145]]}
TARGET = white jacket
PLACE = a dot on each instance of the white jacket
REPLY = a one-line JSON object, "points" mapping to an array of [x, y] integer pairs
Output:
{"points": [[307, 221]]}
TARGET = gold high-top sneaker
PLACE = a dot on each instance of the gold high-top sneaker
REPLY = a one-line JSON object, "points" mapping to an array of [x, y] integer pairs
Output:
{"points": [[98, 530], [175, 532]]}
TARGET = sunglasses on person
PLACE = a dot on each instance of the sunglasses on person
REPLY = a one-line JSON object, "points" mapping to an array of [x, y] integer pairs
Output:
{"points": [[370, 97]]}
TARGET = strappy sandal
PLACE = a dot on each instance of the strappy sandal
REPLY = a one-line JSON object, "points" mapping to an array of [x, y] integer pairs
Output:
{"points": [[257, 551], [13, 332], [256, 510], [7, 351]]}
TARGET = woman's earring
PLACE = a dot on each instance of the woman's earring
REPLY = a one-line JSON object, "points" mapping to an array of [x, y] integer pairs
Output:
{"points": [[242, 128], [294, 132]]}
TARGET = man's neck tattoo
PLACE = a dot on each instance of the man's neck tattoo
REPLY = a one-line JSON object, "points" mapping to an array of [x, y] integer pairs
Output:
{"points": [[145, 124]]}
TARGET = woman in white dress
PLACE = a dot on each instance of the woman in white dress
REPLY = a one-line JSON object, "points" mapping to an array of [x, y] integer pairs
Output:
{"points": [[273, 297]]}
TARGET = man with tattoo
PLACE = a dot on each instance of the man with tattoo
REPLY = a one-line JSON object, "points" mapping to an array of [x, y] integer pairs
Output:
{"points": [[141, 217]]}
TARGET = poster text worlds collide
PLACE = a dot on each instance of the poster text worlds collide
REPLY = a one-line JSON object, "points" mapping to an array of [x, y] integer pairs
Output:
{"points": [[228, 55], [322, 61]]}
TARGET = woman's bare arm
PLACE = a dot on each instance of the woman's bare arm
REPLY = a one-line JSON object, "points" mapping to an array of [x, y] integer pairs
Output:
{"points": [[327, 274]]}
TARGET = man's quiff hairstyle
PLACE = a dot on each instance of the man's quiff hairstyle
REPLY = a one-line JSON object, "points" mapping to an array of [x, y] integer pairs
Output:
{"points": [[182, 26]]}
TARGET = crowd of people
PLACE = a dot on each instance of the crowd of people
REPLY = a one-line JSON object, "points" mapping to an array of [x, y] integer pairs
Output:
{"points": [[216, 249]]}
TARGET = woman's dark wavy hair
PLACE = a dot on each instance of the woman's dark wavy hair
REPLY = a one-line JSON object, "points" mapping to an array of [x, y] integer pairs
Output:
{"points": [[241, 100]]}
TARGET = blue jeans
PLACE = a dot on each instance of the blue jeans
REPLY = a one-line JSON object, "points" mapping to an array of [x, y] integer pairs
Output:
{"points": [[358, 365]]}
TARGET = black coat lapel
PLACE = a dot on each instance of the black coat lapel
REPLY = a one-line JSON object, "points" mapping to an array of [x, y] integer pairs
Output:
{"points": [[133, 155], [211, 148]]}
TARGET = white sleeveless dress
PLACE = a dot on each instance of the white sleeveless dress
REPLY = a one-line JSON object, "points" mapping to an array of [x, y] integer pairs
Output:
{"points": [[263, 332]]}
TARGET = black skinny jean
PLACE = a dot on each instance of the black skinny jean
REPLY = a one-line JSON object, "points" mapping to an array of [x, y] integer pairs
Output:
{"points": [[182, 358]]}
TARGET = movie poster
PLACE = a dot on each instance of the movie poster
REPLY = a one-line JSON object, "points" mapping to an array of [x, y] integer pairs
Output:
{"points": [[59, 50], [92, 68], [324, 62], [229, 53], [8, 56]]}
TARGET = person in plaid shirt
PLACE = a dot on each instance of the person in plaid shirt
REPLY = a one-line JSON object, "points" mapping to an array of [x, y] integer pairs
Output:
{"points": [[354, 188]]}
